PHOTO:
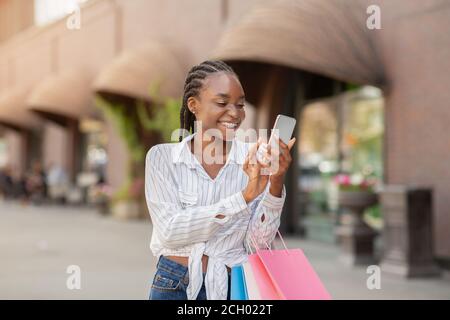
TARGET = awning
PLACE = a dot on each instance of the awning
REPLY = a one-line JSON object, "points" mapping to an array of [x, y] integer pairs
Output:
{"points": [[13, 113], [63, 96], [320, 36], [135, 73]]}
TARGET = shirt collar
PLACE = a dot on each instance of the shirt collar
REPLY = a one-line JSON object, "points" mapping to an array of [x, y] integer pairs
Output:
{"points": [[181, 153]]}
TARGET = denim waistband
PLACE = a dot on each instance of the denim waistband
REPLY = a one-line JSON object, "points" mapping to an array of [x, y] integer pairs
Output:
{"points": [[174, 267], [171, 266]]}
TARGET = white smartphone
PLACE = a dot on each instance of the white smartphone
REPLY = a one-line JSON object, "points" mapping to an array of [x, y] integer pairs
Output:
{"points": [[284, 126]]}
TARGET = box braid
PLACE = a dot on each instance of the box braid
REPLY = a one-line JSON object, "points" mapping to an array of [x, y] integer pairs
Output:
{"points": [[193, 85]]}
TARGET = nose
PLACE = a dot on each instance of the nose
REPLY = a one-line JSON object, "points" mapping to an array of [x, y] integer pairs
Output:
{"points": [[233, 111]]}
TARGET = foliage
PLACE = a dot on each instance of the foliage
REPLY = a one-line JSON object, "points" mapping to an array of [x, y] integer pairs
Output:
{"points": [[163, 119], [126, 125]]}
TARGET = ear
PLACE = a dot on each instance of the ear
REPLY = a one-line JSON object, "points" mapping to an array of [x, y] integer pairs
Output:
{"points": [[192, 104]]}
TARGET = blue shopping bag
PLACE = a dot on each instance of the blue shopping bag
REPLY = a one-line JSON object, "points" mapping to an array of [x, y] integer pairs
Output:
{"points": [[238, 287]]}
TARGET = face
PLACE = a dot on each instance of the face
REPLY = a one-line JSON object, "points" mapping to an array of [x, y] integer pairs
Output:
{"points": [[220, 105]]}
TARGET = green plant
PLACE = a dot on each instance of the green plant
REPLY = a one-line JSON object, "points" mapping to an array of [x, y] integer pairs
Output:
{"points": [[352, 86], [131, 122], [374, 211], [165, 119], [126, 124]]}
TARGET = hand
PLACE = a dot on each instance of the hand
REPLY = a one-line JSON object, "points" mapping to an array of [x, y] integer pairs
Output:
{"points": [[256, 181], [280, 159]]}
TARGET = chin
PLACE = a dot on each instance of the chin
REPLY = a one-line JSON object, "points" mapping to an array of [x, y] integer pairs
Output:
{"points": [[228, 134]]}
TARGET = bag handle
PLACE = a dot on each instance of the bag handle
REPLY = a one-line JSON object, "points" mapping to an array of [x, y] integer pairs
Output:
{"points": [[268, 247]]}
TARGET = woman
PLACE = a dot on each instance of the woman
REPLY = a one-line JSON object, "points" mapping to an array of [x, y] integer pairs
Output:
{"points": [[204, 212]]}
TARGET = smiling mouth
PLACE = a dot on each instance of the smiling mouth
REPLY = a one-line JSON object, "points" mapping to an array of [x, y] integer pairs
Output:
{"points": [[229, 125]]}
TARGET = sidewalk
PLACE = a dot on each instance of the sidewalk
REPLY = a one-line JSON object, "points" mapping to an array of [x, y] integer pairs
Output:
{"points": [[38, 243]]}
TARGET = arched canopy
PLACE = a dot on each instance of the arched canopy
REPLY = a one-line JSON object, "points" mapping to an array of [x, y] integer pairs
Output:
{"points": [[135, 73], [319, 36], [13, 113], [63, 96]]}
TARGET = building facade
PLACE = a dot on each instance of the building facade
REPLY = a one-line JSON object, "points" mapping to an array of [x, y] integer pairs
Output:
{"points": [[284, 61]]}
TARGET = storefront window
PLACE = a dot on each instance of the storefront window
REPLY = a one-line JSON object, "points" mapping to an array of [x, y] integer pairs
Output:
{"points": [[362, 136], [342, 134], [318, 153], [93, 157], [95, 140]]}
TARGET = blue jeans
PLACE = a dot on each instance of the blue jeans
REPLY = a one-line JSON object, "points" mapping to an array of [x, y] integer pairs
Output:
{"points": [[171, 280]]}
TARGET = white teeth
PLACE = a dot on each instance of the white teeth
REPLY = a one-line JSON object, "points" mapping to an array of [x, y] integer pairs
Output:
{"points": [[229, 125]]}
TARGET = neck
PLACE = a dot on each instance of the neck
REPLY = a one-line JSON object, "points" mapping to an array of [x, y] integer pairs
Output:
{"points": [[210, 145]]}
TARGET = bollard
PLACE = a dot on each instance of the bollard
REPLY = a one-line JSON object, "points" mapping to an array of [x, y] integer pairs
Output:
{"points": [[407, 232]]}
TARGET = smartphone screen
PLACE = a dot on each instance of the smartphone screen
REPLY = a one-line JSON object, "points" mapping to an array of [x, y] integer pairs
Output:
{"points": [[285, 127]]}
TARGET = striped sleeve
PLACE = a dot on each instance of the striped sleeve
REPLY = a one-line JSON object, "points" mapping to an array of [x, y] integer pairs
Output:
{"points": [[268, 206], [175, 225]]}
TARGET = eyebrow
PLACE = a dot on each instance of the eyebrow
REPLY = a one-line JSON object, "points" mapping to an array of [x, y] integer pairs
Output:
{"points": [[224, 95]]}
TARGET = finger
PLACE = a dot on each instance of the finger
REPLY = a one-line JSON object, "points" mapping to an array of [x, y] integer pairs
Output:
{"points": [[282, 144], [263, 139], [268, 148], [291, 143], [253, 148], [286, 148], [263, 159], [284, 151], [252, 153], [262, 156], [245, 165]]}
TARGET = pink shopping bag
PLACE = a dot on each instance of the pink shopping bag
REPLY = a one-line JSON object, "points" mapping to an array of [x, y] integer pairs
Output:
{"points": [[266, 287], [286, 275]]}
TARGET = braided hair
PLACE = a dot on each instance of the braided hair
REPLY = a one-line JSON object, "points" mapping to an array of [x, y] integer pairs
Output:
{"points": [[193, 85]]}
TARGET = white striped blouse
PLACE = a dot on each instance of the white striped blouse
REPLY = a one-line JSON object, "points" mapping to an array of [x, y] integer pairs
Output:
{"points": [[183, 202]]}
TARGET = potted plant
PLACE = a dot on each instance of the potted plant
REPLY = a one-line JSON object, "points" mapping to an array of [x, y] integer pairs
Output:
{"points": [[126, 202], [355, 194]]}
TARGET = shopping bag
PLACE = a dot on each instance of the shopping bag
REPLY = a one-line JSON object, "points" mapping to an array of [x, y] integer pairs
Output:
{"points": [[286, 275], [238, 286], [250, 282], [266, 287]]}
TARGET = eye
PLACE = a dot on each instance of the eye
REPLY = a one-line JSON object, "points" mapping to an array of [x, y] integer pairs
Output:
{"points": [[240, 106], [222, 104]]}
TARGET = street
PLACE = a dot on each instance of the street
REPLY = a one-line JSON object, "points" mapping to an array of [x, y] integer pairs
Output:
{"points": [[37, 244]]}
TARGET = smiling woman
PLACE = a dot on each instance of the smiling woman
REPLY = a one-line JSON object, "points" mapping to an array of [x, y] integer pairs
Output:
{"points": [[221, 102], [204, 212]]}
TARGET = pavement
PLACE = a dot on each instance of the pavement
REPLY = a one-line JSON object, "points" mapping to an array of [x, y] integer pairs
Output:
{"points": [[38, 244]]}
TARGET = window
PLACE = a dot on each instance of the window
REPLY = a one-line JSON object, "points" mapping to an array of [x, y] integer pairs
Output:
{"points": [[340, 134]]}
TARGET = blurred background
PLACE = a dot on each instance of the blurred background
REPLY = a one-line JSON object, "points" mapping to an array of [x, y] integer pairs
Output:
{"points": [[87, 87]]}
